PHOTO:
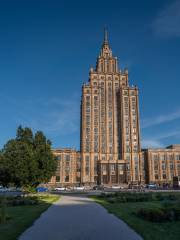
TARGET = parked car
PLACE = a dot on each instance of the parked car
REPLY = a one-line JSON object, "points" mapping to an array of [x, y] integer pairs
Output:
{"points": [[98, 187], [60, 189], [79, 188], [117, 187], [41, 189], [3, 189], [152, 186]]}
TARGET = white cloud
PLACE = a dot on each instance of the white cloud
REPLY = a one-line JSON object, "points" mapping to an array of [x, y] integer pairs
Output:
{"points": [[54, 116], [167, 22], [168, 134], [156, 140], [160, 119], [151, 143]]}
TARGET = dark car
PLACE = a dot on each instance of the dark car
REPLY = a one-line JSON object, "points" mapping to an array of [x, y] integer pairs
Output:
{"points": [[41, 189], [98, 187]]}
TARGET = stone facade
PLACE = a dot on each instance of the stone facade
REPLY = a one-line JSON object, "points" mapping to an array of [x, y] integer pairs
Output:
{"points": [[110, 135], [162, 164], [68, 170], [110, 148]]}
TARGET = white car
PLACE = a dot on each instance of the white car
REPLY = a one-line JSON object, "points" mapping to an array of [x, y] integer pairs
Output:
{"points": [[3, 189], [79, 188], [117, 187], [60, 189]]}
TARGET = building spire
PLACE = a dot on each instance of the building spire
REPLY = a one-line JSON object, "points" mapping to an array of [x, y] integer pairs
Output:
{"points": [[105, 36]]}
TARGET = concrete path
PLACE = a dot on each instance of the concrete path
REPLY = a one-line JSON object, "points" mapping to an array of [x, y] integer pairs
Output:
{"points": [[78, 218]]}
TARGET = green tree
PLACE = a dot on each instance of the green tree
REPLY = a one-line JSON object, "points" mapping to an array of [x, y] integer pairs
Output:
{"points": [[44, 157], [27, 160]]}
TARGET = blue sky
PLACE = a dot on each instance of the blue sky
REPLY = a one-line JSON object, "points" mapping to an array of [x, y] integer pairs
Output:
{"points": [[48, 47]]}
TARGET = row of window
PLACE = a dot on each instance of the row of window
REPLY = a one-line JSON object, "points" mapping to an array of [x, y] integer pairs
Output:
{"points": [[166, 157]]}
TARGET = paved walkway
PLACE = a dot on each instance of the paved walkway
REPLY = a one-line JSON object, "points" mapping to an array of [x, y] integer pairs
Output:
{"points": [[78, 218]]}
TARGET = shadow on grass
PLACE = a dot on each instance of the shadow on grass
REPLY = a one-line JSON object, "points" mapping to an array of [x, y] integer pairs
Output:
{"points": [[22, 212]]}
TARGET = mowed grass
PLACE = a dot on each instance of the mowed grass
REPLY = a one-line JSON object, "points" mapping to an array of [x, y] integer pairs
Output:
{"points": [[22, 217], [148, 230]]}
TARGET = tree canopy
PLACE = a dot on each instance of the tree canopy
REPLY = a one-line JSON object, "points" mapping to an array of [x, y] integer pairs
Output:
{"points": [[27, 160]]}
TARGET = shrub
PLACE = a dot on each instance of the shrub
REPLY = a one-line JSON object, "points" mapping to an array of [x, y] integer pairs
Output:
{"points": [[30, 189], [20, 201], [111, 200], [168, 212], [172, 197], [177, 212], [3, 210], [134, 197], [154, 214]]}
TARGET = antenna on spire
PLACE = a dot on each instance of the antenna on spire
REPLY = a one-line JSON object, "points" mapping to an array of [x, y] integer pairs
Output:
{"points": [[105, 35]]}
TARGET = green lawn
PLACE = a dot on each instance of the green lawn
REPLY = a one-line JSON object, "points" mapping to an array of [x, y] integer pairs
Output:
{"points": [[148, 230], [21, 217]]}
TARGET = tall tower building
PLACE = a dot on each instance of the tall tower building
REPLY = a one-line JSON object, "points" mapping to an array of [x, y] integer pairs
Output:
{"points": [[110, 135]]}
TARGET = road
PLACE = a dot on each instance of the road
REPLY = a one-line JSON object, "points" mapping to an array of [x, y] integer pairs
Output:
{"points": [[78, 218]]}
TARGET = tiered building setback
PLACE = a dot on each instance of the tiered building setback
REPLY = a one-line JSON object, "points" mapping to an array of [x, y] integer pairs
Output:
{"points": [[110, 135]]}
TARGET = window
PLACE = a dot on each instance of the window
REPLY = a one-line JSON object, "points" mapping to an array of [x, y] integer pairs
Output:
{"points": [[67, 157], [136, 158], [67, 178], [58, 164], [178, 157], [134, 130], [87, 165], [104, 167], [126, 104], [103, 158], [127, 130], [112, 167], [163, 166], [164, 176], [127, 149], [67, 163], [78, 166], [57, 178], [95, 164], [162, 157], [78, 179], [133, 99], [156, 176], [136, 167], [170, 157], [126, 111], [155, 157], [135, 148], [127, 166], [171, 166], [121, 167]]}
